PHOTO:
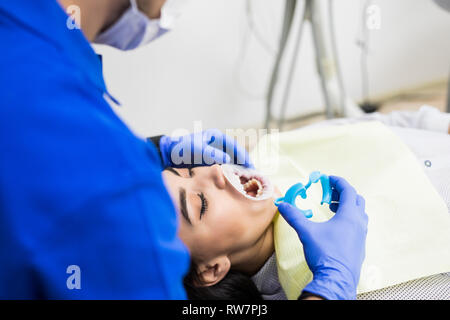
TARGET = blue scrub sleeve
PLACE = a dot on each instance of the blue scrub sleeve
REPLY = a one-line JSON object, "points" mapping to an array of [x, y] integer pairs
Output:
{"points": [[77, 187], [122, 249]]}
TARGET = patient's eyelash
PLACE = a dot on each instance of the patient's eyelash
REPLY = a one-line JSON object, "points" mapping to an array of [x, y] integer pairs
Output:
{"points": [[191, 172], [204, 204]]}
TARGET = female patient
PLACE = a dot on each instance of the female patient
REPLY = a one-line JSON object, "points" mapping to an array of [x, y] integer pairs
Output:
{"points": [[230, 237], [223, 229]]}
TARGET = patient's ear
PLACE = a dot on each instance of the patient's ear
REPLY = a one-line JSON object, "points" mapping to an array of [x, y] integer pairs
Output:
{"points": [[213, 271]]}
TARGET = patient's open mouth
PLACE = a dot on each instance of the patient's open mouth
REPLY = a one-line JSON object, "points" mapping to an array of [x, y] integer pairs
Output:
{"points": [[253, 187], [249, 183]]}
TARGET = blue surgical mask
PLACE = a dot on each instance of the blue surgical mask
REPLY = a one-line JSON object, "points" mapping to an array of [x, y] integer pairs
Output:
{"points": [[135, 29]]}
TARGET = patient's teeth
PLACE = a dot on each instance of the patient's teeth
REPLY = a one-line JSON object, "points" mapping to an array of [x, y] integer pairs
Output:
{"points": [[251, 184], [247, 182]]}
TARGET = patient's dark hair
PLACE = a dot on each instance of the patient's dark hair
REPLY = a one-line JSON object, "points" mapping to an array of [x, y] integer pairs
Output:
{"points": [[234, 286]]}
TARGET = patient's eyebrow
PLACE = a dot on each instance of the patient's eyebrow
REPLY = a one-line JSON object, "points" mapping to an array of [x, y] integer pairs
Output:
{"points": [[183, 206], [173, 171]]}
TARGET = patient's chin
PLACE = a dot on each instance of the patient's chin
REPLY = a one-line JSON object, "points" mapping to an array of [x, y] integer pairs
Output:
{"points": [[277, 193]]}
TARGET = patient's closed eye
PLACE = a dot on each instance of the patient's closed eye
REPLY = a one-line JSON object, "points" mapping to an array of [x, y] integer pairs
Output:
{"points": [[204, 206]]}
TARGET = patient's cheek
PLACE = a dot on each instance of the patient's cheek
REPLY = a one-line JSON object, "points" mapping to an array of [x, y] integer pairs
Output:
{"points": [[277, 193]]}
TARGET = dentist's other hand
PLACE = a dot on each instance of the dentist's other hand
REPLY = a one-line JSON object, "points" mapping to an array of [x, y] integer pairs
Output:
{"points": [[334, 250], [202, 148]]}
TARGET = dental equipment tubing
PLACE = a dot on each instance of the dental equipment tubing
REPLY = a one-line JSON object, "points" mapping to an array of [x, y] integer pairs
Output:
{"points": [[333, 90]]}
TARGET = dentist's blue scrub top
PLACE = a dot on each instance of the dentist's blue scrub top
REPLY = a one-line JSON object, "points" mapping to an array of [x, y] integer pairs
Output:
{"points": [[76, 186]]}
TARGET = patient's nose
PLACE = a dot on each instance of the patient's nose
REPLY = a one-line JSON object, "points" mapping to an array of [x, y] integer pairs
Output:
{"points": [[218, 177]]}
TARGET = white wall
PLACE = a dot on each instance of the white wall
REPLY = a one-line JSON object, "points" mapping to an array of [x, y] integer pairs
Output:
{"points": [[192, 73]]}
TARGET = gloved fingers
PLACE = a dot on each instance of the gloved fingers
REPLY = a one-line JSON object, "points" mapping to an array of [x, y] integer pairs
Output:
{"points": [[347, 194], [360, 201], [242, 157], [334, 195], [334, 206], [212, 155], [213, 136], [295, 219], [237, 152]]}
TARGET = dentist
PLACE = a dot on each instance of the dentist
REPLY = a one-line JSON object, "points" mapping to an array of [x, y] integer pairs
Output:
{"points": [[84, 213]]}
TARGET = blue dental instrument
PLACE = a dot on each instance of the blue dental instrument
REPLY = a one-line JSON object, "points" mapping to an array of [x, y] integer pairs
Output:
{"points": [[299, 189]]}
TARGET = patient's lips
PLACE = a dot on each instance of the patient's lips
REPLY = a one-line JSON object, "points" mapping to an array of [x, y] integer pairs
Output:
{"points": [[248, 182]]}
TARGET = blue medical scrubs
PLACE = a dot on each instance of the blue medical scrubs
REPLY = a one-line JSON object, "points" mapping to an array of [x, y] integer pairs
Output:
{"points": [[76, 186]]}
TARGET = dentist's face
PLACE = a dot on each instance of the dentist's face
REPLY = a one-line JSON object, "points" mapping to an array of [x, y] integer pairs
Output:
{"points": [[215, 218], [152, 8]]}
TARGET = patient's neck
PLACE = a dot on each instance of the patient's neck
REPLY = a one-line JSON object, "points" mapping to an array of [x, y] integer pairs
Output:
{"points": [[257, 256]]}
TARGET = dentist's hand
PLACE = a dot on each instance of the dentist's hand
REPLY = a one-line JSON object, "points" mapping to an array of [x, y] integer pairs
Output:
{"points": [[202, 148], [334, 250]]}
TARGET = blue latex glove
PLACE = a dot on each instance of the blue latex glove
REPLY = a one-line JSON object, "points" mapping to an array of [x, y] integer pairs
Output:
{"points": [[334, 250], [202, 148]]}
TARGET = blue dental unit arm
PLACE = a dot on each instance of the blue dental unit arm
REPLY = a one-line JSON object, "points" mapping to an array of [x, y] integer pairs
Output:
{"points": [[299, 189]]}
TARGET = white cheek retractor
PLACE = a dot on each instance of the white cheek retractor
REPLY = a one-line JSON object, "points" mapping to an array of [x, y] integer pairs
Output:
{"points": [[248, 182]]}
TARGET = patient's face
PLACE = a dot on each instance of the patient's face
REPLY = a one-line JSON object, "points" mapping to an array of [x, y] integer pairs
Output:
{"points": [[215, 218]]}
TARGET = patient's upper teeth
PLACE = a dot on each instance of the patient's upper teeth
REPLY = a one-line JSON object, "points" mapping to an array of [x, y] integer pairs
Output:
{"points": [[248, 183], [260, 191], [251, 185], [260, 188]]}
